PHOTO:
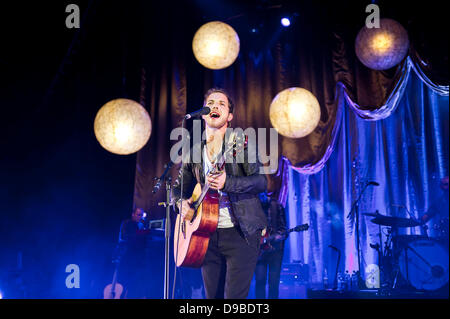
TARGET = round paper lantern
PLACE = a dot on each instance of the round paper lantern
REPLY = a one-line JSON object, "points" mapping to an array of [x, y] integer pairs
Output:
{"points": [[122, 126], [215, 45], [384, 47], [294, 112]]}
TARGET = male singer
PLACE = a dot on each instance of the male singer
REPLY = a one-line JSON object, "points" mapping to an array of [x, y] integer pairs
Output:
{"points": [[233, 249]]}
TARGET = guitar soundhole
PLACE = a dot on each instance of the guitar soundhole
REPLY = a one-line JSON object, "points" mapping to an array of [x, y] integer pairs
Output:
{"points": [[195, 207], [193, 218], [183, 228]]}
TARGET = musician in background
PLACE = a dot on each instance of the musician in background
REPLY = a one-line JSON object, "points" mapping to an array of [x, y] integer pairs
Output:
{"points": [[233, 249], [132, 255], [269, 263]]}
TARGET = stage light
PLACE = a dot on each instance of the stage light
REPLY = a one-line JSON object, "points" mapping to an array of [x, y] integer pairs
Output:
{"points": [[384, 47], [285, 22], [215, 45], [294, 112], [122, 126]]}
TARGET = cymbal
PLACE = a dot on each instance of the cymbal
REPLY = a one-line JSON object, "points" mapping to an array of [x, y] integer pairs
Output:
{"points": [[394, 221]]}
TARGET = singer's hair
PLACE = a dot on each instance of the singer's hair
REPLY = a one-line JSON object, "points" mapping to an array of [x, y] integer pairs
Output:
{"points": [[220, 90]]}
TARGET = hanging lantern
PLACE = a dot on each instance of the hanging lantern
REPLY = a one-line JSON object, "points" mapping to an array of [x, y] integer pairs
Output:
{"points": [[215, 45], [294, 112], [122, 126], [384, 47]]}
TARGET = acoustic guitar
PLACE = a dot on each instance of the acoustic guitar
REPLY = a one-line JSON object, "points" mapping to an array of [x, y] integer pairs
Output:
{"points": [[114, 289], [191, 237]]}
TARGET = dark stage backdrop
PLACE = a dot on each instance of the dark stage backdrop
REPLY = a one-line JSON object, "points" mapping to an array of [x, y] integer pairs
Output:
{"points": [[63, 197]]}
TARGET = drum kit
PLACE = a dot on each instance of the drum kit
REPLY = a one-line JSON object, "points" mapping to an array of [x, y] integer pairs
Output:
{"points": [[415, 262]]}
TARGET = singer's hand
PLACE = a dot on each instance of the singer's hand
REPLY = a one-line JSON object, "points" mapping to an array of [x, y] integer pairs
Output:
{"points": [[217, 181], [186, 211]]}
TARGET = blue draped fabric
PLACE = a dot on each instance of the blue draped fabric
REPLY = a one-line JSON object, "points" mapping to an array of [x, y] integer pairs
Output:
{"points": [[406, 152]]}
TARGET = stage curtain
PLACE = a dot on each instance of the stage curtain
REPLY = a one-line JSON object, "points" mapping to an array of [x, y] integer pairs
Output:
{"points": [[319, 57], [406, 153]]}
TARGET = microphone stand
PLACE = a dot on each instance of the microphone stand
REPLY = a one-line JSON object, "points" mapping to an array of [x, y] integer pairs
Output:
{"points": [[166, 204], [355, 212]]}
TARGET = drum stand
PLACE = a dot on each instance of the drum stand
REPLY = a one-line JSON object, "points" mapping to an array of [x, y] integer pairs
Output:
{"points": [[401, 255], [390, 268], [387, 266], [393, 248]]}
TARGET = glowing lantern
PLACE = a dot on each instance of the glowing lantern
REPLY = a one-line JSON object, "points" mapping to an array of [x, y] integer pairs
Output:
{"points": [[384, 47], [215, 45], [122, 126], [294, 112]]}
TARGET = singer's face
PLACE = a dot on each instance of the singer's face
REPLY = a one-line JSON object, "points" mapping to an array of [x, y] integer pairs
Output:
{"points": [[220, 113]]}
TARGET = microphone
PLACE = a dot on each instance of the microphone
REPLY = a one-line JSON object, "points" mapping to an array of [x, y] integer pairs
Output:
{"points": [[373, 183], [157, 185], [203, 111]]}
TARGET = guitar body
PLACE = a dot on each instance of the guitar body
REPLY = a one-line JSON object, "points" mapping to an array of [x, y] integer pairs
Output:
{"points": [[111, 292], [191, 238]]}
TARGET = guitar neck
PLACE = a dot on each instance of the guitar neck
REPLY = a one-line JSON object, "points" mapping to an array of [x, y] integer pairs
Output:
{"points": [[201, 197], [290, 230], [206, 187]]}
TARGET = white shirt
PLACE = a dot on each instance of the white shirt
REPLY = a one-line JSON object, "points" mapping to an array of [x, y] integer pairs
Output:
{"points": [[226, 218]]}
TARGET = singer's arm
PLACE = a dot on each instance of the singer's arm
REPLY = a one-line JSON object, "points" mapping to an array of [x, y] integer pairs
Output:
{"points": [[253, 182]]}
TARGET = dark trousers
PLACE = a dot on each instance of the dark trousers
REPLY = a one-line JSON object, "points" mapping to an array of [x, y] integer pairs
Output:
{"points": [[229, 263], [270, 262]]}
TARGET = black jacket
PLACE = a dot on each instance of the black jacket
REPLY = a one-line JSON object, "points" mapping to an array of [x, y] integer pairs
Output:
{"points": [[243, 184]]}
